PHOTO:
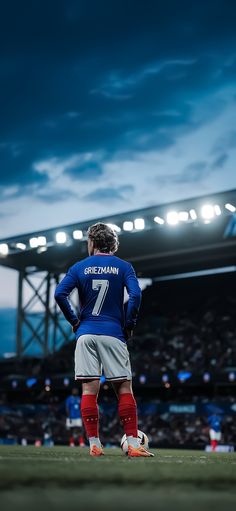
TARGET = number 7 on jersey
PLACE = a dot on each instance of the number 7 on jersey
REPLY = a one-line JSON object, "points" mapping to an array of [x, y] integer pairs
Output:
{"points": [[101, 286]]}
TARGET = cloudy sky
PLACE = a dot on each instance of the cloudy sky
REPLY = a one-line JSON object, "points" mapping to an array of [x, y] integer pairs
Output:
{"points": [[112, 105]]}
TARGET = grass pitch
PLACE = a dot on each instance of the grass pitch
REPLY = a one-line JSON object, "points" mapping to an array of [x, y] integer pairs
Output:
{"points": [[64, 478]]}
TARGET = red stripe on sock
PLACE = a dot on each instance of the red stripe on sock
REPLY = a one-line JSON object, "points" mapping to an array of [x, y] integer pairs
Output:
{"points": [[89, 412], [128, 414]]}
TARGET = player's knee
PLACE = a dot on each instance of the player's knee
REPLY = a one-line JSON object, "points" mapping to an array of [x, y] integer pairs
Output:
{"points": [[91, 387]]}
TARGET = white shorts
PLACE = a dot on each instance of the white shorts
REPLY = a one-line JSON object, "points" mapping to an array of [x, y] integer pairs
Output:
{"points": [[73, 423], [215, 435], [96, 352]]}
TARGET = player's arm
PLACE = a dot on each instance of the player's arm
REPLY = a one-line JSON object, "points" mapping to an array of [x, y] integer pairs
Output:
{"points": [[134, 302], [67, 407], [63, 290]]}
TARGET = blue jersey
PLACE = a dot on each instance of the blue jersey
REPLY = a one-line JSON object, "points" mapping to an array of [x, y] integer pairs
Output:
{"points": [[73, 407], [215, 422], [100, 280]]}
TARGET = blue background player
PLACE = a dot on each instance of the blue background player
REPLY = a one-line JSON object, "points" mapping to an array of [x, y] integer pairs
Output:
{"points": [[214, 422], [74, 420]]}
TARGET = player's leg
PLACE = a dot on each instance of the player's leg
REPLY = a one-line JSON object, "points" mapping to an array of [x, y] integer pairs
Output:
{"points": [[127, 410], [114, 356], [90, 415], [78, 434], [212, 434], [72, 438], [128, 415], [88, 370]]}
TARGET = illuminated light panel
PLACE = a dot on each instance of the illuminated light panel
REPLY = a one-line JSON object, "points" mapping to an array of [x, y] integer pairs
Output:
{"points": [[159, 220], [33, 242], [217, 210], [114, 227], [230, 207], [4, 249], [42, 241], [77, 235], [172, 218], [183, 216], [61, 237], [128, 226], [207, 212], [21, 246], [139, 224], [193, 214]]}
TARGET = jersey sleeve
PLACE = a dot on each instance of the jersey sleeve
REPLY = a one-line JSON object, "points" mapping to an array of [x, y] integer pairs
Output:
{"points": [[135, 295], [63, 290]]}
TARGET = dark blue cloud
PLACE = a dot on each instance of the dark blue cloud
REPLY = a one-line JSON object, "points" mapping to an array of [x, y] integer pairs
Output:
{"points": [[121, 68], [85, 171], [220, 161], [109, 194]]}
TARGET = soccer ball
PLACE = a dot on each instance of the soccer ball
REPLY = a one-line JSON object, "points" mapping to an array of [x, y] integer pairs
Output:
{"points": [[142, 439]]}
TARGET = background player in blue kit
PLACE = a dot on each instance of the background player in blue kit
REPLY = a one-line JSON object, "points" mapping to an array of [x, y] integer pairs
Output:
{"points": [[74, 420], [214, 422], [102, 329]]}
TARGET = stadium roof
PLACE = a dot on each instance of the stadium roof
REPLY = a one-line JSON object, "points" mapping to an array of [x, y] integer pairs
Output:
{"points": [[187, 235]]}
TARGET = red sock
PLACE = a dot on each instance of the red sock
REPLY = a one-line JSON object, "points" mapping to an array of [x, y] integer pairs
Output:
{"points": [[214, 444], [89, 411], [128, 414]]}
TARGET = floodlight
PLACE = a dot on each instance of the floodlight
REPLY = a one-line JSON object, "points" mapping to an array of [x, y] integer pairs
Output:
{"points": [[231, 376], [207, 212], [128, 226], [159, 220], [42, 241], [217, 210], [172, 218], [4, 249], [230, 207], [34, 242], [41, 250], [165, 378], [21, 246], [193, 214], [139, 224], [114, 227], [77, 235], [183, 216], [142, 378], [61, 237]]}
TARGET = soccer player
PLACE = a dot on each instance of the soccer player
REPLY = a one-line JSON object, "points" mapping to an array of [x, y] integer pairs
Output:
{"points": [[214, 422], [101, 330], [74, 421]]}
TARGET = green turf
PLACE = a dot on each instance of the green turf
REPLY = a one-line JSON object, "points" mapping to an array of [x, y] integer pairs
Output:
{"points": [[64, 478]]}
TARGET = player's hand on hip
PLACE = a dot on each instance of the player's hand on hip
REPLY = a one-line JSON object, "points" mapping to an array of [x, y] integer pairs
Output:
{"points": [[74, 328], [128, 333]]}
